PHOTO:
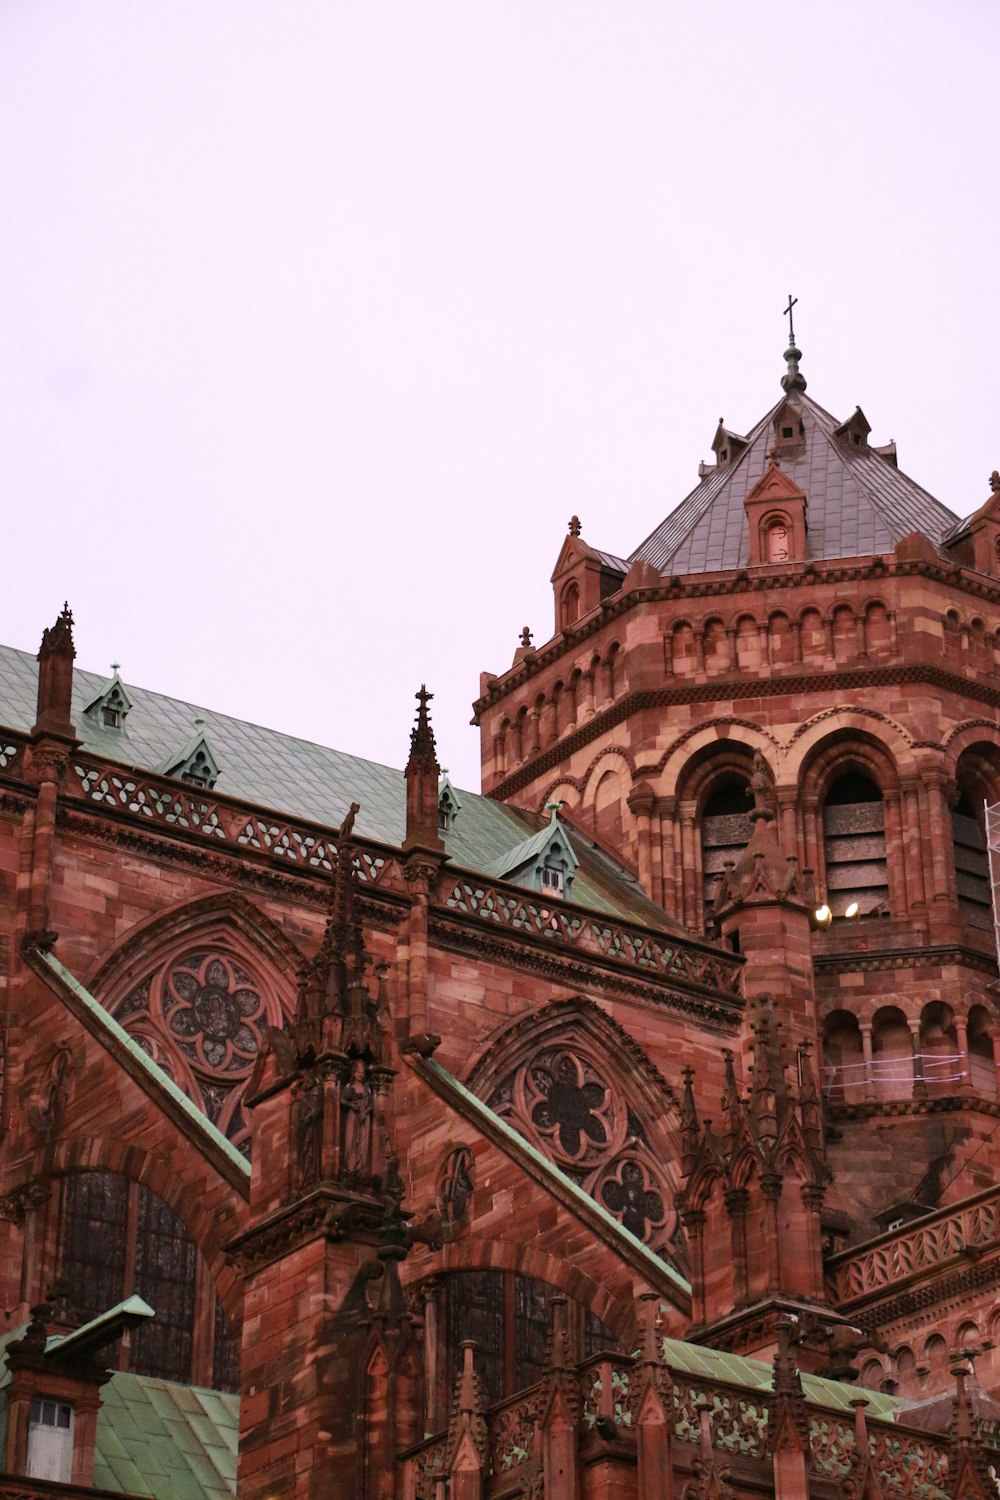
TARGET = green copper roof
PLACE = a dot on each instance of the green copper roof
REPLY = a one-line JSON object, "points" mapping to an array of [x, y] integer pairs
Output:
{"points": [[755, 1375], [157, 1438], [303, 780]]}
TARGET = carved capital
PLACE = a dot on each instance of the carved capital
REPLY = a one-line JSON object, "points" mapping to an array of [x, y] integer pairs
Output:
{"points": [[21, 1201]]}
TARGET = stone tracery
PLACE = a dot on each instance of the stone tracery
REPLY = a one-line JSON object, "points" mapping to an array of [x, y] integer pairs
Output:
{"points": [[201, 1017]]}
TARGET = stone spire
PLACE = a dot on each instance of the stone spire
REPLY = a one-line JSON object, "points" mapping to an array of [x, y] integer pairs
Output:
{"points": [[422, 774], [55, 678]]}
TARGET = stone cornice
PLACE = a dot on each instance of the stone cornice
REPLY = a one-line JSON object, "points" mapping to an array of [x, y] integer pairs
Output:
{"points": [[720, 585], [326, 1213], [861, 961], [730, 689], [578, 970]]}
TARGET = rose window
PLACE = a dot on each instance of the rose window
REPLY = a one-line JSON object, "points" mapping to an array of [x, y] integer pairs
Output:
{"points": [[563, 1102], [572, 1108], [201, 1019], [214, 1012]]}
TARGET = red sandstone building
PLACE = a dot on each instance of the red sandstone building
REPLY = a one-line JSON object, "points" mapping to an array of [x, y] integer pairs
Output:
{"points": [[628, 1132]]}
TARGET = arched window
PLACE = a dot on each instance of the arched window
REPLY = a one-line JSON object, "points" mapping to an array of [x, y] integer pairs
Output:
{"points": [[854, 846], [116, 1238], [725, 831], [844, 1073], [508, 1317], [569, 605], [972, 864]]}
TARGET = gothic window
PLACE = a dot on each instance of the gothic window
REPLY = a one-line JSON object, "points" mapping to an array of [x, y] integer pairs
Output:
{"points": [[117, 1238], [562, 1102], [725, 832], [201, 1019], [972, 865], [854, 846], [508, 1317]]}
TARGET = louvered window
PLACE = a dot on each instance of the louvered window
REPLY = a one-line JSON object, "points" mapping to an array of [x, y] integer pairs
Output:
{"points": [[725, 833], [854, 846], [972, 865]]}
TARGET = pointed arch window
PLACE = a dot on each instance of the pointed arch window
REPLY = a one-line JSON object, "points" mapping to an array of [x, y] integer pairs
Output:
{"points": [[972, 865], [508, 1317], [725, 831], [854, 846], [118, 1237]]}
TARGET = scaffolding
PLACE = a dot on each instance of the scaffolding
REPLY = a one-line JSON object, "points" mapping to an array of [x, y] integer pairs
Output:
{"points": [[993, 849]]}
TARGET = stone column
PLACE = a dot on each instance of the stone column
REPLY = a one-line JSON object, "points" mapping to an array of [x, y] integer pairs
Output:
{"points": [[866, 1051], [919, 1082], [962, 1034], [895, 857], [914, 863], [734, 661], [641, 803], [690, 865], [668, 851]]}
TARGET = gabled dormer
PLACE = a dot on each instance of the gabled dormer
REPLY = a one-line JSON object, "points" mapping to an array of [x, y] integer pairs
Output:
{"points": [[854, 432], [449, 804], [111, 705], [727, 445], [776, 517], [789, 430], [545, 863], [195, 763], [582, 577]]}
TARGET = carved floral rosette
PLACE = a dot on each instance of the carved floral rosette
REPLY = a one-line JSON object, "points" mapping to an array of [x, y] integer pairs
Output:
{"points": [[201, 1017], [562, 1101]]}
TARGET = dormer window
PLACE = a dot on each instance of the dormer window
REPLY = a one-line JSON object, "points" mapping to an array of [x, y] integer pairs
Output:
{"points": [[777, 541], [199, 771], [111, 706], [196, 764], [449, 804], [50, 1440]]}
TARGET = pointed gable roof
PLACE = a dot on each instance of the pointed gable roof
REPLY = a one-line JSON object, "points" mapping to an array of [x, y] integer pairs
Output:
{"points": [[859, 504]]}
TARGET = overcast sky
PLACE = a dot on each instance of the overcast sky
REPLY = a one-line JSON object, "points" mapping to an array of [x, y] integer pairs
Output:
{"points": [[320, 320]]}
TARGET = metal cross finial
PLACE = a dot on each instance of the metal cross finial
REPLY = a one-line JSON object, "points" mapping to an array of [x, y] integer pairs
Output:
{"points": [[791, 321], [116, 666]]}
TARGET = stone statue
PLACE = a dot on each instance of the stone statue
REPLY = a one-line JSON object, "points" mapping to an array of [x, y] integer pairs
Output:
{"points": [[308, 1128], [761, 786], [356, 1104]]}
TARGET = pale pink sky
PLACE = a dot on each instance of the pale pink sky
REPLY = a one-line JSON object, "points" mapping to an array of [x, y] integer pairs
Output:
{"points": [[320, 319]]}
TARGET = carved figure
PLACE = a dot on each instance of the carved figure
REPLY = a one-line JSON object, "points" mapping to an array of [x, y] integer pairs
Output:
{"points": [[46, 1115], [761, 787], [308, 1130], [356, 1104]]}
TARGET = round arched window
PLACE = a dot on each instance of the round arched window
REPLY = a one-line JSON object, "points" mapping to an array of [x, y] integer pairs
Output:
{"points": [[778, 542]]}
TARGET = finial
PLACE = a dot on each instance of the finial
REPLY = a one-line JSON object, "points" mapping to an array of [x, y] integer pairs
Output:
{"points": [[116, 666], [792, 380], [526, 638], [553, 809], [198, 721], [574, 526], [995, 482], [774, 456]]}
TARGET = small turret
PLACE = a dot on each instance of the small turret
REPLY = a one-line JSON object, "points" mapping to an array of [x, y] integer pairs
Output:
{"points": [[55, 679], [422, 776]]}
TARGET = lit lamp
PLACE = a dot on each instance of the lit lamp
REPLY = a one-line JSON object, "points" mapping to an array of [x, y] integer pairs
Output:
{"points": [[822, 917], [852, 911]]}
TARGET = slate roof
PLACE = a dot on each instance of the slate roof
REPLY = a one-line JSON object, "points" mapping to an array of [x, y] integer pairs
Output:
{"points": [[157, 1438], [300, 779], [858, 503]]}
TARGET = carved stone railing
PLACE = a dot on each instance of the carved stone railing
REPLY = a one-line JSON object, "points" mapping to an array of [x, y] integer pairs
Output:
{"points": [[175, 807], [10, 749], [914, 1249], [566, 926], [908, 1463]]}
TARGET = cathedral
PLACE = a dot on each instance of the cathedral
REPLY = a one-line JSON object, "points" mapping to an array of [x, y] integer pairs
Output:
{"points": [[627, 1130]]}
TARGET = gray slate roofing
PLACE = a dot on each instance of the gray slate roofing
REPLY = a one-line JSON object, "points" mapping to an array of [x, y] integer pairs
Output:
{"points": [[858, 504], [299, 779]]}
